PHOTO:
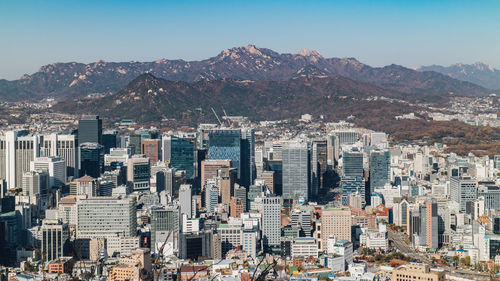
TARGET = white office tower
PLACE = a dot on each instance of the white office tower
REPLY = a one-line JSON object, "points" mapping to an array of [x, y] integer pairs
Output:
{"points": [[295, 170], [54, 236], [35, 183], [462, 190], [113, 218], [16, 153], [55, 166], [185, 200], [63, 146], [271, 221]]}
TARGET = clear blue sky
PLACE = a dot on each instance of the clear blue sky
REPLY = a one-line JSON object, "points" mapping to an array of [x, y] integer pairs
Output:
{"points": [[377, 32]]}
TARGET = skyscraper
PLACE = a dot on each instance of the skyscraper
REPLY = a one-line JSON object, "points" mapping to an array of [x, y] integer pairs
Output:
{"points": [[211, 198], [54, 237], [318, 166], [335, 222], [55, 166], [209, 168], [17, 151], [90, 129], [91, 159], [186, 200], [165, 224], [64, 146], [225, 144], [295, 171], [271, 223], [138, 172], [152, 149], [462, 190], [248, 169], [35, 183], [109, 140], [352, 164], [179, 153], [380, 169]]}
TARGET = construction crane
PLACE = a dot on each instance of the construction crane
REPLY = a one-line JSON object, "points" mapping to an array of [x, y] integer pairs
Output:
{"points": [[216, 116]]}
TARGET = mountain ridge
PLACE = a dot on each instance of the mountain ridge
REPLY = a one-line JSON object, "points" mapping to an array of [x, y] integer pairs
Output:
{"points": [[75, 80], [479, 73]]}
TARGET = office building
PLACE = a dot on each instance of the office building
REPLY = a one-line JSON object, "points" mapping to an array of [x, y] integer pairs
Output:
{"points": [[352, 164], [55, 235], [271, 223], [211, 197], [240, 192], [186, 200], [85, 185], [295, 171], [106, 217], [304, 247], [350, 185], [16, 153], [335, 222], [65, 147], [347, 137], [226, 178], [179, 153], [91, 159], [152, 149], [225, 144], [194, 245], [138, 172], [109, 140], [35, 183], [165, 228], [230, 237], [247, 165], [380, 169], [333, 148], [209, 169], [236, 207], [134, 144], [319, 166], [269, 178], [90, 129], [54, 166], [462, 190]]}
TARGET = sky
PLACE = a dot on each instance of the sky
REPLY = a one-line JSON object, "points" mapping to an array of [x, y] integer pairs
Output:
{"points": [[377, 32]]}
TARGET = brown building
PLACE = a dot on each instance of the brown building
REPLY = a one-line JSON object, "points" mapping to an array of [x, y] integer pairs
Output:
{"points": [[269, 179], [226, 180], [236, 207], [335, 222], [209, 168], [194, 272], [96, 245], [415, 271], [152, 149]]}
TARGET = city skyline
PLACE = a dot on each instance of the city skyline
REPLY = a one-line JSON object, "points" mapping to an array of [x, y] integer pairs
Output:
{"points": [[410, 33]]}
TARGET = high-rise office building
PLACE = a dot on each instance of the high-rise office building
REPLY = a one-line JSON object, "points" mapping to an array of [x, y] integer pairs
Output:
{"points": [[209, 169], [64, 146], [194, 246], [352, 164], [179, 153], [134, 143], [16, 152], [240, 192], [55, 235], [380, 169], [225, 144], [269, 178], [333, 147], [109, 140], [90, 129], [271, 223], [91, 159], [211, 197], [248, 169], [347, 137], [152, 149], [319, 166], [296, 177], [35, 183], [335, 222], [106, 217], [165, 228], [226, 178], [462, 190], [430, 224], [186, 200], [138, 172], [85, 185], [55, 166]]}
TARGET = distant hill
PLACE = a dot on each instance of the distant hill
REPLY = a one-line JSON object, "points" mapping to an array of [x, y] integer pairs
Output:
{"points": [[149, 99], [478, 73], [75, 80]]}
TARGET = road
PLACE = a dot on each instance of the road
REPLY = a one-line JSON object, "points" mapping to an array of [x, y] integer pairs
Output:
{"points": [[408, 251]]}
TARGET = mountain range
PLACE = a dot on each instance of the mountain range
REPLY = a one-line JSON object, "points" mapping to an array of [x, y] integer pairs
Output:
{"points": [[478, 73], [75, 80]]}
